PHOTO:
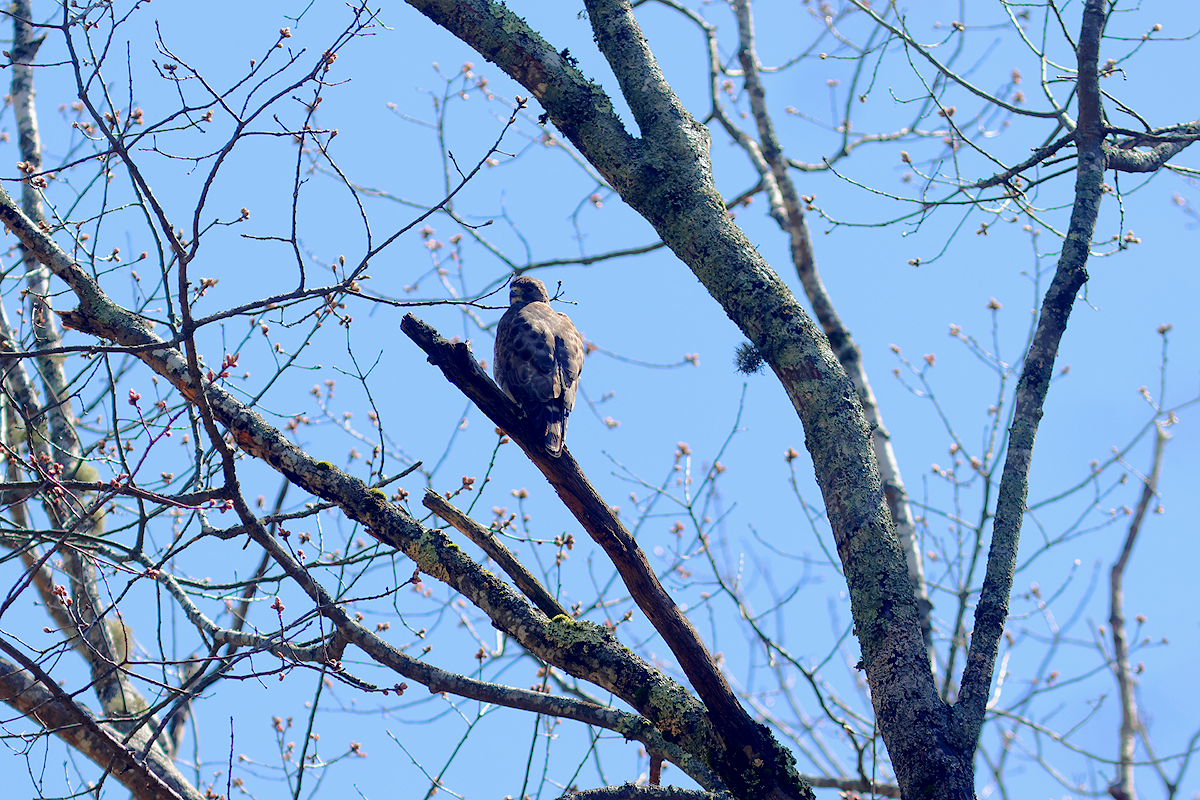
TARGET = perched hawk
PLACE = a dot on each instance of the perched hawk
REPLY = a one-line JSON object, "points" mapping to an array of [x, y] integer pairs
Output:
{"points": [[539, 355]]}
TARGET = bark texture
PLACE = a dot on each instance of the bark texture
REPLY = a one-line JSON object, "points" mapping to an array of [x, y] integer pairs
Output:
{"points": [[991, 613], [666, 176]]}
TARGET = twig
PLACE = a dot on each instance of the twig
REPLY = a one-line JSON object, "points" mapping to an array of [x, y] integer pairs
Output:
{"points": [[496, 551], [1123, 787]]}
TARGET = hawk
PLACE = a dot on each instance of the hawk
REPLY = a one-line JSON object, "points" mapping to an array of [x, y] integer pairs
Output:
{"points": [[538, 358]]}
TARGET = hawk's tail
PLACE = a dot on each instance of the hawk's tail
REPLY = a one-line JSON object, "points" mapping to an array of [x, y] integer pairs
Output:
{"points": [[556, 429]]}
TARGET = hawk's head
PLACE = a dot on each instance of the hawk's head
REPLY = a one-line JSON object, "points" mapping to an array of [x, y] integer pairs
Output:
{"points": [[527, 290]]}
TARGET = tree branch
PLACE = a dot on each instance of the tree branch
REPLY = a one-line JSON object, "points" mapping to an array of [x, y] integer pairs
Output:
{"points": [[991, 613], [1126, 159], [28, 689], [684, 754], [1123, 788], [631, 791], [792, 219], [579, 648], [670, 183], [857, 785], [1038, 156], [486, 541], [458, 364]]}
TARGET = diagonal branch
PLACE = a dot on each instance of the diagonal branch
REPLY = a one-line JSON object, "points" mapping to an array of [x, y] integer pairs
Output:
{"points": [[666, 176], [991, 613], [791, 218], [579, 108], [458, 364], [30, 690], [582, 649], [1038, 156], [680, 750], [486, 541]]}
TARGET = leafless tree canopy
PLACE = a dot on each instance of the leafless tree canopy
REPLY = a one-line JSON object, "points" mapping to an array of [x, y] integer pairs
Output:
{"points": [[174, 533]]}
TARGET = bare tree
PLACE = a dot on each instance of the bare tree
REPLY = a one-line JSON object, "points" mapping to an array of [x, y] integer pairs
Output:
{"points": [[104, 522]]}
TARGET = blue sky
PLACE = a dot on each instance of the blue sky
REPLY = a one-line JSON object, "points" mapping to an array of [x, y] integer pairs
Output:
{"points": [[651, 309]]}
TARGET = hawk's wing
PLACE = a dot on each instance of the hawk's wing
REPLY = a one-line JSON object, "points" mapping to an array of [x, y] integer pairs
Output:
{"points": [[538, 358]]}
